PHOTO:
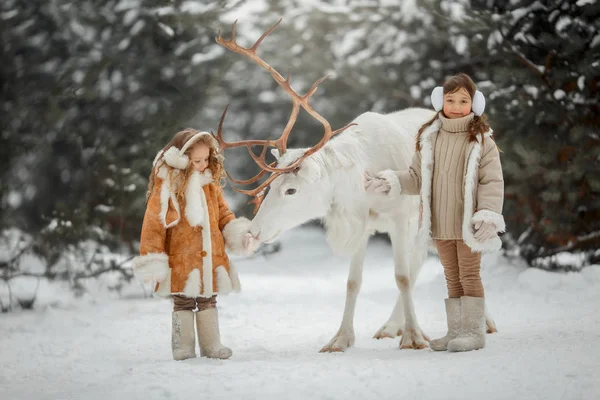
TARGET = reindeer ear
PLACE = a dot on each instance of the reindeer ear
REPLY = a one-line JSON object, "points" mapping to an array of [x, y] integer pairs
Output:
{"points": [[310, 170], [275, 153]]}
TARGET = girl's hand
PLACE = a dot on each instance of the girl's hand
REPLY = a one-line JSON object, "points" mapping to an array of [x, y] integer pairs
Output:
{"points": [[484, 230], [250, 243], [376, 184]]}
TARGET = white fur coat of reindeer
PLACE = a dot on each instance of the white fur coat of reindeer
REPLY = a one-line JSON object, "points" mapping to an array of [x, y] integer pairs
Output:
{"points": [[329, 185]]}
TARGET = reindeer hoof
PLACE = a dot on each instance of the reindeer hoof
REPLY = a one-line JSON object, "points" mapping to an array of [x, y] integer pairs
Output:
{"points": [[414, 339], [328, 349], [490, 325], [339, 343], [413, 346], [388, 331], [383, 335]]}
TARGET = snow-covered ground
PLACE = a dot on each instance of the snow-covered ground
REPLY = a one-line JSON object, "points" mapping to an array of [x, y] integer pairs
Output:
{"points": [[291, 305]]}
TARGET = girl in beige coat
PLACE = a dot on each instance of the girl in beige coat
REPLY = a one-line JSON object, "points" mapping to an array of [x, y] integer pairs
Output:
{"points": [[187, 227], [456, 170]]}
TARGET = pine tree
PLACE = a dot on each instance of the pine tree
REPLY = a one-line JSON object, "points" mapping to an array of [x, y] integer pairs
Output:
{"points": [[91, 90], [542, 59]]}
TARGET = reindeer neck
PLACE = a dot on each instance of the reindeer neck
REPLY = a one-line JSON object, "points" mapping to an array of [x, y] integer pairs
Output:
{"points": [[344, 162]]}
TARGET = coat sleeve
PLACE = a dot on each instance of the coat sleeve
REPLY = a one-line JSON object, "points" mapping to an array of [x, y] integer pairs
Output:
{"points": [[225, 214], [233, 228], [153, 263], [404, 182], [410, 180], [490, 189]]}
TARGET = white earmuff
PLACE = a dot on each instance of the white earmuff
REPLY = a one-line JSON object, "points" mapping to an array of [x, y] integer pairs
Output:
{"points": [[175, 158], [478, 105], [437, 98]]}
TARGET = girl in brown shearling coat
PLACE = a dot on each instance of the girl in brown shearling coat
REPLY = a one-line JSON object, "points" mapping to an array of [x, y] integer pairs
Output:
{"points": [[186, 227], [456, 170]]}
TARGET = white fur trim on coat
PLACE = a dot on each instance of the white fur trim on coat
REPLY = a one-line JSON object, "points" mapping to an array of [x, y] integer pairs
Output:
{"points": [[224, 284], [426, 179], [176, 159], [164, 288], [151, 267], [234, 232], [167, 194], [235, 279], [192, 284], [392, 180], [194, 212], [471, 179], [193, 204], [207, 265]]}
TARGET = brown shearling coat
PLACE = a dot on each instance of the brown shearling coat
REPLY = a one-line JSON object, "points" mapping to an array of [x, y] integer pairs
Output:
{"points": [[191, 233]]}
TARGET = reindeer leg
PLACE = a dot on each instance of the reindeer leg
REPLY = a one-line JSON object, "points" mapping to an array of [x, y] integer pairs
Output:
{"points": [[344, 338], [394, 326], [412, 337]]}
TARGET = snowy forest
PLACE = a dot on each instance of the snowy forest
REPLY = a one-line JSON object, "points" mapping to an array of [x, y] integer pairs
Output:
{"points": [[92, 89]]}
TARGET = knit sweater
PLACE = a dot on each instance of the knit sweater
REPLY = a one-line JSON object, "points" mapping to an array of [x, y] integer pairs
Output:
{"points": [[447, 202]]}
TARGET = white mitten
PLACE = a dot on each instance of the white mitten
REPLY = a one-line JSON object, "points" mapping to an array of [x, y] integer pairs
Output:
{"points": [[484, 230], [250, 243], [376, 184]]}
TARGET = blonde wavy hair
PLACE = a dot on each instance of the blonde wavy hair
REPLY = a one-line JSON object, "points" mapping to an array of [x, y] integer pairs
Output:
{"points": [[180, 178]]}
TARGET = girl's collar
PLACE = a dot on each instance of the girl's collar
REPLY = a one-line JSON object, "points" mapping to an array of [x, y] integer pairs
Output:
{"points": [[456, 125], [204, 177]]}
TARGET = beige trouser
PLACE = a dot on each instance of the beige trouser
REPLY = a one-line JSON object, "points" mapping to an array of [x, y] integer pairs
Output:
{"points": [[181, 303], [461, 267]]}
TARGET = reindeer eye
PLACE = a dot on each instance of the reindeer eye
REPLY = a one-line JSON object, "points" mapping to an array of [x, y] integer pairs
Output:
{"points": [[290, 192]]}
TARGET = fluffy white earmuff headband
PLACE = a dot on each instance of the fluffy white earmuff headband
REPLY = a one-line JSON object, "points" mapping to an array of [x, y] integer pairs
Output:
{"points": [[176, 158], [437, 100]]}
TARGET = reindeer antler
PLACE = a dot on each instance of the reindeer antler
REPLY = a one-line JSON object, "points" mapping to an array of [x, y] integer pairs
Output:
{"points": [[298, 102]]}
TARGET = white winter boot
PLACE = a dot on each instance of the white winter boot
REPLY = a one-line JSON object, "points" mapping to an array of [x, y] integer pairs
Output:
{"points": [[472, 325], [183, 338], [207, 324], [453, 318]]}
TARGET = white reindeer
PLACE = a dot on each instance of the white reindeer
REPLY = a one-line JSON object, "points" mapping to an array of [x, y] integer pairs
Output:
{"points": [[329, 185], [326, 182]]}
